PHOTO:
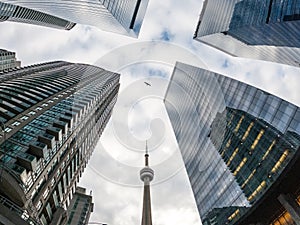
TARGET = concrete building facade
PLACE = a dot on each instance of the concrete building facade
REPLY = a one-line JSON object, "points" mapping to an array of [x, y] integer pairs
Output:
{"points": [[8, 60]]}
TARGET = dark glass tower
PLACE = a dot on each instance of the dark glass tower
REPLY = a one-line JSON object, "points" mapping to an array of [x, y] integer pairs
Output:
{"points": [[52, 115], [119, 16], [240, 146], [264, 29], [8, 60], [15, 13]]}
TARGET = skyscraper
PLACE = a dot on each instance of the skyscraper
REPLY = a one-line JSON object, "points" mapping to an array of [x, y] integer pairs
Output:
{"points": [[266, 30], [8, 60], [80, 208], [146, 175], [52, 115], [15, 13], [240, 146], [119, 16]]}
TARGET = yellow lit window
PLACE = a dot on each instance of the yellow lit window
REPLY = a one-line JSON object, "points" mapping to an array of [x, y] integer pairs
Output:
{"points": [[257, 139], [249, 178], [269, 149], [232, 156], [239, 124], [236, 212], [247, 131], [258, 189], [280, 161], [240, 166], [230, 119], [228, 143], [227, 146], [284, 219]]}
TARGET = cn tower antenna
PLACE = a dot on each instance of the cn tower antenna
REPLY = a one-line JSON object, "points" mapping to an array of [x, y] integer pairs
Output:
{"points": [[146, 175]]}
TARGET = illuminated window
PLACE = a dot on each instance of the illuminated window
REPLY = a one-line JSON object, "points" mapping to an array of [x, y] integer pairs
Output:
{"points": [[269, 149], [230, 119], [258, 189], [284, 219], [227, 146], [249, 178], [280, 161], [247, 131], [232, 156], [257, 139], [234, 214], [228, 143], [239, 124], [240, 166]]}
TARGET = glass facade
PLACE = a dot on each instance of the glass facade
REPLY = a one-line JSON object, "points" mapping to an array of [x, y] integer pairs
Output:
{"points": [[14, 13], [119, 16], [264, 29], [235, 140], [52, 116]]}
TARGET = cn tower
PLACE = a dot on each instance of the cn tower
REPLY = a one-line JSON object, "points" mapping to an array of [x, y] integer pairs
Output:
{"points": [[146, 175]]}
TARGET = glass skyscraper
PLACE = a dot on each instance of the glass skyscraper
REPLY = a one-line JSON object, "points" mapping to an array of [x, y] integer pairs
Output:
{"points": [[8, 60], [15, 13], [263, 29], [240, 146], [119, 16], [52, 115]]}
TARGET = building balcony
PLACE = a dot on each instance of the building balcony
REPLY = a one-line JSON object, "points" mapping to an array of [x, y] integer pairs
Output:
{"points": [[62, 125], [47, 139], [56, 132], [68, 120], [27, 161], [38, 149]]}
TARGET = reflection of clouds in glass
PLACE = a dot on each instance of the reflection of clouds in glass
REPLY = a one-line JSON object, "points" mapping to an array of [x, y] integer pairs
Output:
{"points": [[212, 182], [114, 16]]}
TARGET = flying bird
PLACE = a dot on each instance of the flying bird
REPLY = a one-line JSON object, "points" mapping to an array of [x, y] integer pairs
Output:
{"points": [[147, 84]]}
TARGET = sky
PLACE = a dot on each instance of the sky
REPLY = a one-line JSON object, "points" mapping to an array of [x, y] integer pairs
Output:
{"points": [[166, 37]]}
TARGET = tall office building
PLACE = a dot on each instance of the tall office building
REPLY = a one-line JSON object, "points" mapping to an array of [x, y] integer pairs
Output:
{"points": [[52, 115], [15, 13], [264, 29], [8, 60], [80, 208], [119, 16], [240, 146]]}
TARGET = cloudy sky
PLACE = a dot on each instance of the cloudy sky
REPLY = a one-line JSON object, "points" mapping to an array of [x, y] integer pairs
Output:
{"points": [[165, 37]]}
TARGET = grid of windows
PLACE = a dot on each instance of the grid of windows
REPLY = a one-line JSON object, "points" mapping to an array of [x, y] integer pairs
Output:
{"points": [[235, 139], [51, 139], [119, 16], [265, 29], [10, 12]]}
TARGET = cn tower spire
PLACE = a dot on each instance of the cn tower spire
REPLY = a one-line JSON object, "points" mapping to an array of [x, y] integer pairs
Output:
{"points": [[146, 175]]}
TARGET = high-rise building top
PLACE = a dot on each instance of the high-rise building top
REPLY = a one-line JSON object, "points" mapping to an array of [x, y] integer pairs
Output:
{"points": [[265, 30], [146, 175], [15, 13], [240, 146], [8, 60], [52, 115], [119, 16], [80, 208]]}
